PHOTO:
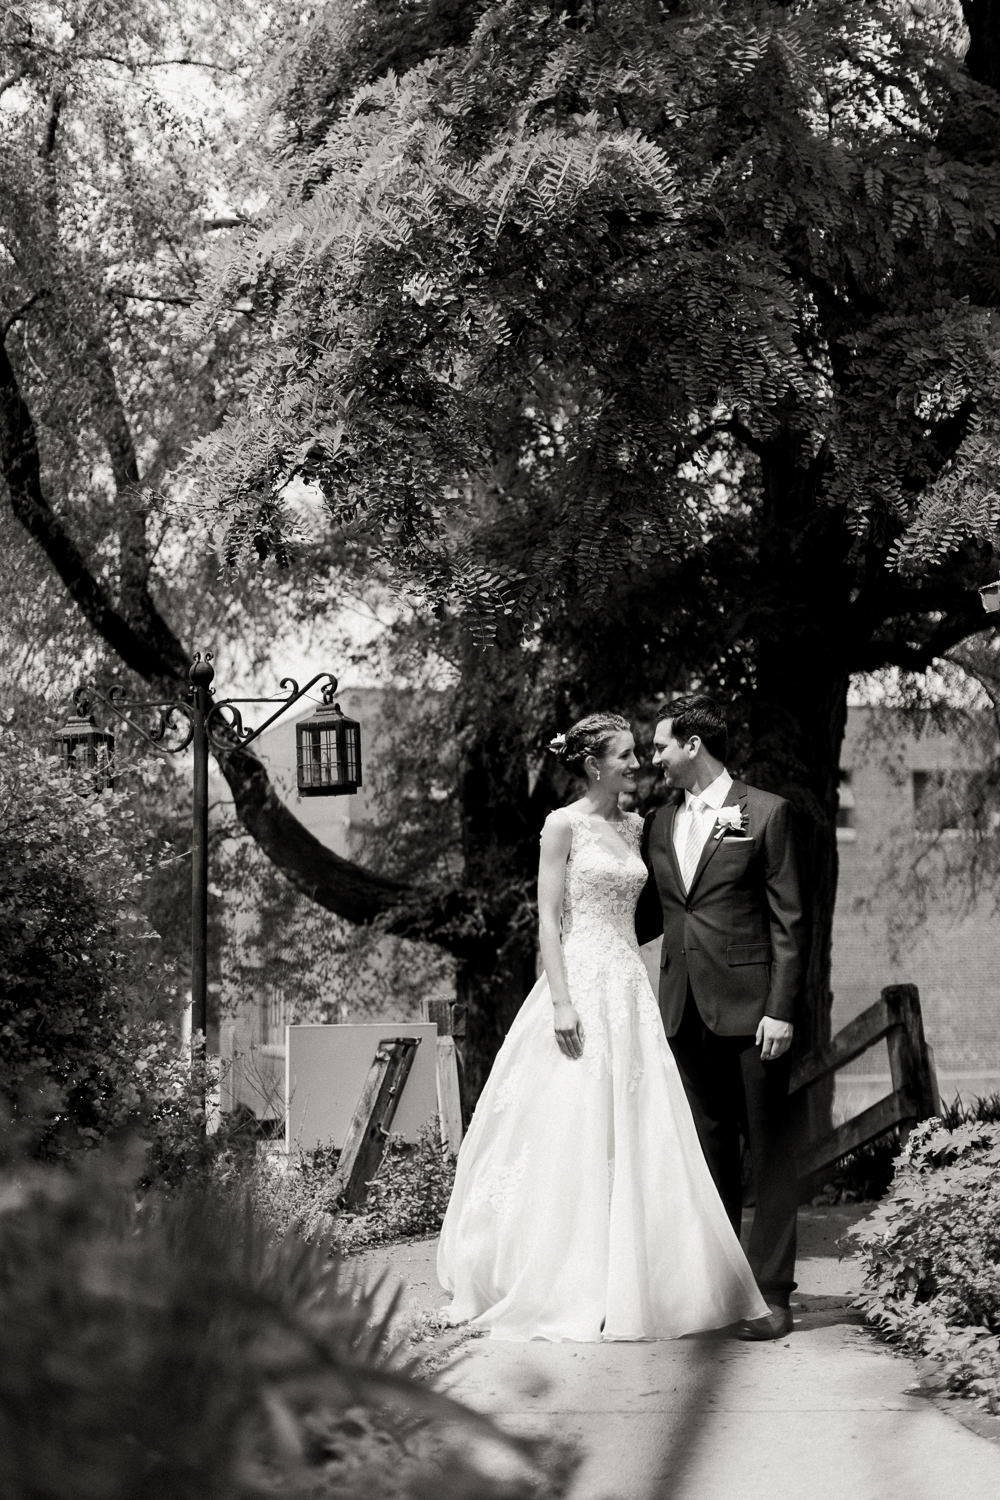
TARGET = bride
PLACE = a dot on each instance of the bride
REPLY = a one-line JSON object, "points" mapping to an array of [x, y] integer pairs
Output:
{"points": [[582, 1207]]}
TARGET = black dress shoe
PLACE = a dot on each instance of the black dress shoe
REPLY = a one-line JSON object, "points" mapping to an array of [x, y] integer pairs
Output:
{"points": [[775, 1325]]}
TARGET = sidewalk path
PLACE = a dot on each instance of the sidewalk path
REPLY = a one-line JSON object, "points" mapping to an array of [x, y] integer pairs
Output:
{"points": [[827, 1413]]}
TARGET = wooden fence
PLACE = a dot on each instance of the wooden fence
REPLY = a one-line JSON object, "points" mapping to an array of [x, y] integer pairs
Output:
{"points": [[894, 1018]]}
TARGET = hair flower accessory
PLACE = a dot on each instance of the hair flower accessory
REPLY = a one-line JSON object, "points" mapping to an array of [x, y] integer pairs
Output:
{"points": [[558, 744], [730, 820]]}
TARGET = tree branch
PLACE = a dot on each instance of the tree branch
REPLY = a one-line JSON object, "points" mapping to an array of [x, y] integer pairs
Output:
{"points": [[128, 295], [57, 98], [148, 651], [19, 313], [12, 79], [133, 64], [917, 656]]}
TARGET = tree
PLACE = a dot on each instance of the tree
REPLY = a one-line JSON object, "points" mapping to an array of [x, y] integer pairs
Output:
{"points": [[117, 173], [587, 310]]}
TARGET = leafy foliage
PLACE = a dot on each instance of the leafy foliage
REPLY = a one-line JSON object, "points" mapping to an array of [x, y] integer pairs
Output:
{"points": [[73, 964], [314, 966], [862, 1176], [182, 1349], [652, 348], [407, 1196], [931, 1254], [124, 155], [561, 265], [88, 1024]]}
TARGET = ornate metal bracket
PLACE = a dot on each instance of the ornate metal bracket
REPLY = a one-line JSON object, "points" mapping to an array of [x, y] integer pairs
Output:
{"points": [[224, 721], [172, 726]]}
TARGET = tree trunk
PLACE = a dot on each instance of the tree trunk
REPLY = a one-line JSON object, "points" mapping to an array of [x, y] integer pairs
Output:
{"points": [[797, 727], [798, 711], [500, 852], [982, 17]]}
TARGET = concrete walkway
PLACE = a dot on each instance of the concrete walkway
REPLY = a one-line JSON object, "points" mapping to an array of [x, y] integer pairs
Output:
{"points": [[828, 1413]]}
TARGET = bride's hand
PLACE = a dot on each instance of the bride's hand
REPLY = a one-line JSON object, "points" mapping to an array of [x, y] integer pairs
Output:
{"points": [[569, 1032]]}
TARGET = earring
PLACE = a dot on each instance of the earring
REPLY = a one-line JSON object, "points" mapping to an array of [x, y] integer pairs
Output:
{"points": [[598, 775]]}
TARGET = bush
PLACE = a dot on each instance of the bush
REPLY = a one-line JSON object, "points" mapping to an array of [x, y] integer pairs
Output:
{"points": [[931, 1254], [178, 1349], [866, 1175], [863, 1176], [985, 1109], [73, 955], [84, 1050], [407, 1196]]}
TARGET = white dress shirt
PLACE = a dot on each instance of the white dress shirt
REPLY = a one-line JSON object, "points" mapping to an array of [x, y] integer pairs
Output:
{"points": [[709, 801]]}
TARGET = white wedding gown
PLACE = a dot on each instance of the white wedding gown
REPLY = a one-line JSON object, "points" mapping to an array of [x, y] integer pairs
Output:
{"points": [[583, 1208]]}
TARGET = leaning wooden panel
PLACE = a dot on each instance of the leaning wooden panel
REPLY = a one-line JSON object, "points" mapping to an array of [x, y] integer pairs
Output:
{"points": [[369, 1129]]}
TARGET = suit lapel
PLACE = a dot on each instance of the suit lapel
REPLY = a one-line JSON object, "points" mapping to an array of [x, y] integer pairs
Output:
{"points": [[667, 824], [737, 794]]}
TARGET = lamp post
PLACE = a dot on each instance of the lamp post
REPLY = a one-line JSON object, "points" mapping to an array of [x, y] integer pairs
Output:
{"points": [[328, 763]]}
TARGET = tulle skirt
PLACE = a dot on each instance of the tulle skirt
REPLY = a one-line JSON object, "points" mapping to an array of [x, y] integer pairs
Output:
{"points": [[583, 1208]]}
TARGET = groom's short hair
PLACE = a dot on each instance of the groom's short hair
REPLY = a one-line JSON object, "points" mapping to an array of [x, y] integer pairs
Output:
{"points": [[697, 713]]}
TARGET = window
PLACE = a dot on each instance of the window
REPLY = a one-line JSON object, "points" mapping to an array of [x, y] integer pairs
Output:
{"points": [[846, 829], [272, 1014]]}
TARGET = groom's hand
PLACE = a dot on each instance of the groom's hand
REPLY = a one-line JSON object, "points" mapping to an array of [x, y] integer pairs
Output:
{"points": [[773, 1038]]}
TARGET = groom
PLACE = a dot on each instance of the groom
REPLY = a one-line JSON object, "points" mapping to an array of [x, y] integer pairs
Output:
{"points": [[724, 889]]}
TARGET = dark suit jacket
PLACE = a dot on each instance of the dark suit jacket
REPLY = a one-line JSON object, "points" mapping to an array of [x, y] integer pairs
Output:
{"points": [[738, 936]]}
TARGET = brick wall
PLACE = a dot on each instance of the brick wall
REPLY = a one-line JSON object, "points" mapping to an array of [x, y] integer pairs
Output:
{"points": [[890, 929]]}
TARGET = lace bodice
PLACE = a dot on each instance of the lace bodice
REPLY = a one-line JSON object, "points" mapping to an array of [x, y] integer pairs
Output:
{"points": [[604, 876], [605, 975]]}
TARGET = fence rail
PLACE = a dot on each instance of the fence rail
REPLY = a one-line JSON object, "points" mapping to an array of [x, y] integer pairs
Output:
{"points": [[895, 1018]]}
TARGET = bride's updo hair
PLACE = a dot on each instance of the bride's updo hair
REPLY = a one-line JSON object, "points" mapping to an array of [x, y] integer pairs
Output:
{"points": [[589, 736]]}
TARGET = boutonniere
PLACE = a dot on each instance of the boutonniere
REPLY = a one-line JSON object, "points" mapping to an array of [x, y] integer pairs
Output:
{"points": [[730, 820]]}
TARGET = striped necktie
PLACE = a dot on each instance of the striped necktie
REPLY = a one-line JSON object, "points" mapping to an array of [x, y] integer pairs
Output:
{"points": [[693, 842]]}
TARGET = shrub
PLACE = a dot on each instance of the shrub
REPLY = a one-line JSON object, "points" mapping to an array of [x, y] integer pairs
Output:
{"points": [[84, 1050], [984, 1108], [178, 1349], [73, 955], [863, 1176], [866, 1175], [407, 1196], [931, 1254]]}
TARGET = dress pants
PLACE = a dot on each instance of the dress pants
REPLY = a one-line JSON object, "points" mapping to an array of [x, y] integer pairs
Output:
{"points": [[733, 1093]]}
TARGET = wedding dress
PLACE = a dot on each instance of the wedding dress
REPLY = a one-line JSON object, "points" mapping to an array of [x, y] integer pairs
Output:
{"points": [[582, 1207]]}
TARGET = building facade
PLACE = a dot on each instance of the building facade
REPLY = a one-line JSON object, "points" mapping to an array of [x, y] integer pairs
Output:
{"points": [[916, 899]]}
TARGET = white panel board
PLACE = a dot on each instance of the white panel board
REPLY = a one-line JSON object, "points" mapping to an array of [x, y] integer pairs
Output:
{"points": [[325, 1071]]}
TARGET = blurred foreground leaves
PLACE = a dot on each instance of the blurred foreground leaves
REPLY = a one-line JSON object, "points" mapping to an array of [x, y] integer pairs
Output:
{"points": [[177, 1347]]}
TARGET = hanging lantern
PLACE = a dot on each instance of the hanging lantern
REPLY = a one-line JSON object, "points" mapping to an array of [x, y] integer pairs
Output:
{"points": [[328, 752], [84, 750]]}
